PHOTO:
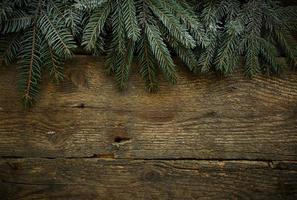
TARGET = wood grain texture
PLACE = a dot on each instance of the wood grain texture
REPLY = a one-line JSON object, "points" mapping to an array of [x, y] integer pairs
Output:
{"points": [[202, 117], [208, 137], [92, 179]]}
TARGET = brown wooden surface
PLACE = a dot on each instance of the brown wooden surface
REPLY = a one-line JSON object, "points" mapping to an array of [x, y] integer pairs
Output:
{"points": [[209, 137], [137, 179]]}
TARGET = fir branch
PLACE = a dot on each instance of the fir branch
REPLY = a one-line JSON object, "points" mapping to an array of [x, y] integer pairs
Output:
{"points": [[95, 26], [172, 24], [123, 67], [161, 52], [130, 20], [17, 21], [148, 69], [52, 61], [228, 56], [30, 68], [269, 53], [60, 40]]}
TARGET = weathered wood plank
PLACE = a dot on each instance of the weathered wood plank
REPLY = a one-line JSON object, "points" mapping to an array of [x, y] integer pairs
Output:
{"points": [[202, 117], [138, 179]]}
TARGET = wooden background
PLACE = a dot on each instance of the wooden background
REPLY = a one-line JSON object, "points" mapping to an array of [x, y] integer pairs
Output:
{"points": [[205, 138]]}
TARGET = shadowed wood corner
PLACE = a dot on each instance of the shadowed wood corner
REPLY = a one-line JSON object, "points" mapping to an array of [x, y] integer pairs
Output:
{"points": [[204, 138]]}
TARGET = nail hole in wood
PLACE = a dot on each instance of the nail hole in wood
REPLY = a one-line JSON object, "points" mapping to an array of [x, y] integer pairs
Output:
{"points": [[82, 105], [119, 139]]}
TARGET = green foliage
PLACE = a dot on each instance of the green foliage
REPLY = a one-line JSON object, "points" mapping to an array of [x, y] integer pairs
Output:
{"points": [[255, 29], [39, 39], [39, 35], [30, 66], [132, 24], [148, 65]]}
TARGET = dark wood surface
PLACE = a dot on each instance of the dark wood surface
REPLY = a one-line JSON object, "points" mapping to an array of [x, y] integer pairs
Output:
{"points": [[207, 137], [146, 179]]}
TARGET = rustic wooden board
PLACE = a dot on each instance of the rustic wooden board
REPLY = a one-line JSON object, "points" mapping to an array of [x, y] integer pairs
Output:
{"points": [[28, 179], [205, 138], [202, 117]]}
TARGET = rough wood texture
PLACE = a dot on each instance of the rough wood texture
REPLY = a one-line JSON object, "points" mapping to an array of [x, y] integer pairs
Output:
{"points": [[207, 137], [165, 180], [200, 117]]}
